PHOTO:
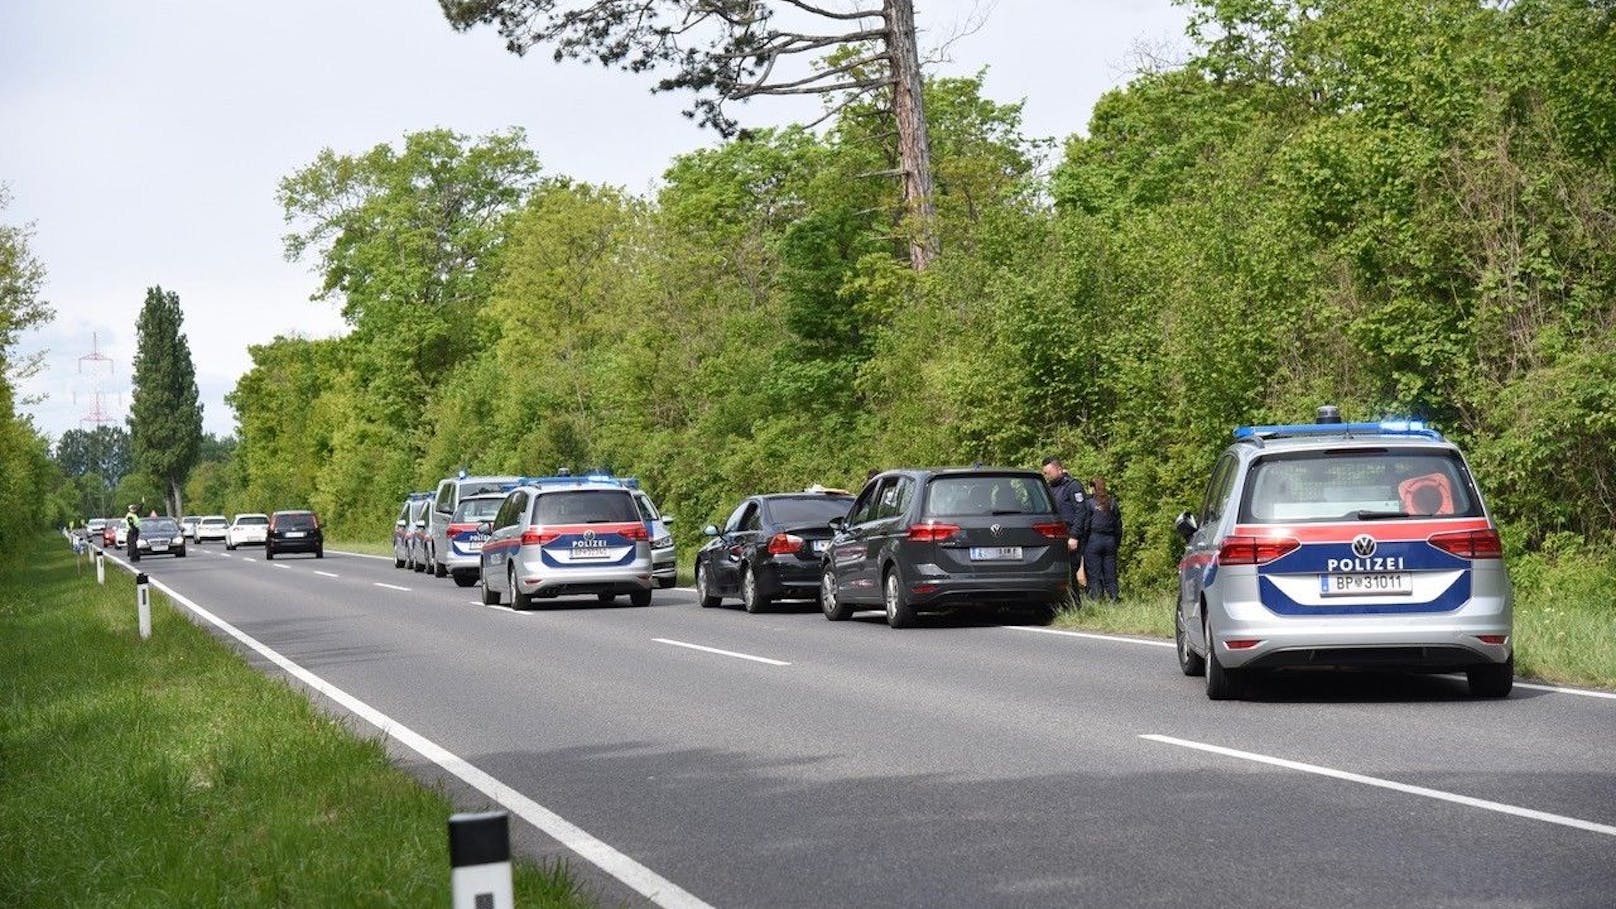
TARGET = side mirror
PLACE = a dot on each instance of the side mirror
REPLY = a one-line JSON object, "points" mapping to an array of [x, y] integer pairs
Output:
{"points": [[710, 530], [485, 527], [1186, 525], [838, 524], [667, 519], [399, 523]]}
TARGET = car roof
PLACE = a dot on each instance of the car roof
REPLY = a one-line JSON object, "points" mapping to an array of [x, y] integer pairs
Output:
{"points": [[291, 511], [1341, 442], [828, 495], [250, 514]]}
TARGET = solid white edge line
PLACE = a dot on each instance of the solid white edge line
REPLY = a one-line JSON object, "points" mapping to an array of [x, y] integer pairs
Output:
{"points": [[654, 887], [362, 555], [1500, 807], [1092, 636], [390, 586], [1557, 689], [728, 653], [326, 574]]}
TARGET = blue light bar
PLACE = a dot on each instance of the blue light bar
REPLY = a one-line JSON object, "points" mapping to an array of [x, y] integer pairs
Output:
{"points": [[576, 480], [1417, 428]]}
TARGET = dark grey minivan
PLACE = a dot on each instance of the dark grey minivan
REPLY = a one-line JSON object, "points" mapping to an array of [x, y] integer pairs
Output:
{"points": [[940, 540]]}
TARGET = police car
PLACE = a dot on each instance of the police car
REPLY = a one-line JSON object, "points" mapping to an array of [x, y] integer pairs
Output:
{"points": [[1344, 545], [566, 536]]}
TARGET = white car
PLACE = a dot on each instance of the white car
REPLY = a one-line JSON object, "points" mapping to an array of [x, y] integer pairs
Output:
{"points": [[212, 527], [251, 527]]}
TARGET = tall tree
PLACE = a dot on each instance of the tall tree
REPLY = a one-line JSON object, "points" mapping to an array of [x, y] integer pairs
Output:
{"points": [[733, 50], [97, 459], [165, 417]]}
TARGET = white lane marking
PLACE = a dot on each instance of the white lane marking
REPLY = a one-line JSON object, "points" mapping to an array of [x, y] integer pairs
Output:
{"points": [[287, 567], [325, 574], [362, 555], [248, 559], [1558, 689], [657, 889], [390, 586], [1092, 636], [728, 653], [1438, 794]]}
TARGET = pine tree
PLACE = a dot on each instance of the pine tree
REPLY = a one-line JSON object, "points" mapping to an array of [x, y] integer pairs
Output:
{"points": [[165, 417]]}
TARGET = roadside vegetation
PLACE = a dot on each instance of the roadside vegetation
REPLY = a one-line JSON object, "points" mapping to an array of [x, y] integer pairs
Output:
{"points": [[168, 772]]}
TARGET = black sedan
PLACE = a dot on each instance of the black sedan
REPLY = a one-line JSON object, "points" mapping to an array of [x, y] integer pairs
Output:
{"points": [[769, 549]]}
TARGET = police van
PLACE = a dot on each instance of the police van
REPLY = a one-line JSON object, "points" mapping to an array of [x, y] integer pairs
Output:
{"points": [[457, 553], [1343, 545]]}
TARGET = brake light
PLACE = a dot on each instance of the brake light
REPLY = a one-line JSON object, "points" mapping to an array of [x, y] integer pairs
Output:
{"points": [[932, 532], [460, 528], [1242, 550], [535, 537], [1470, 544], [635, 532], [1493, 638], [784, 544], [1055, 530]]}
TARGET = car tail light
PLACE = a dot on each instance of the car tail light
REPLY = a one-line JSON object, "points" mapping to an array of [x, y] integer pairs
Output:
{"points": [[635, 532], [932, 532], [1055, 530], [1242, 550], [460, 528], [784, 544], [1492, 638], [1470, 544], [536, 537]]}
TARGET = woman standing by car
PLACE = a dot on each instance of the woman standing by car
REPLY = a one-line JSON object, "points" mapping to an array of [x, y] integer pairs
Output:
{"points": [[1103, 527]]}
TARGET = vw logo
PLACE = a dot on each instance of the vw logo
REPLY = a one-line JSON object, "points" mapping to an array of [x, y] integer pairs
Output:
{"points": [[590, 535], [997, 529], [1363, 545]]}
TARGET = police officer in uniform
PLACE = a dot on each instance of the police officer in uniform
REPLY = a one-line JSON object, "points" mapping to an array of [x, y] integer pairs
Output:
{"points": [[1102, 528], [1069, 504], [131, 520]]}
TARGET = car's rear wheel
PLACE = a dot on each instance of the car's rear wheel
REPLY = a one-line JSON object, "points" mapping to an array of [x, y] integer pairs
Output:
{"points": [[753, 600], [605, 599], [490, 597], [519, 600], [1189, 661], [1492, 680], [180, 553], [1221, 684], [397, 562], [899, 613], [420, 564], [439, 570], [704, 593], [665, 583], [834, 609], [640, 598]]}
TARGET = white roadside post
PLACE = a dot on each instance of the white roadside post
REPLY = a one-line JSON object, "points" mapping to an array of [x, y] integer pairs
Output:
{"points": [[480, 861], [100, 567], [143, 604]]}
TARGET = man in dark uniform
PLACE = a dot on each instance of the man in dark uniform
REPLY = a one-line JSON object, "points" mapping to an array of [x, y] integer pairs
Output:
{"points": [[1070, 505], [131, 520]]}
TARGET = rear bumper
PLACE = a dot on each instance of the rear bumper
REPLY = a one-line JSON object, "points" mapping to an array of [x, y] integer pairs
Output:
{"points": [[788, 577], [538, 580], [301, 544], [936, 590]]}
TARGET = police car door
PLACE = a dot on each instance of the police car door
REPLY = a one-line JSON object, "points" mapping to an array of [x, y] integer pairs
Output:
{"points": [[1199, 565], [505, 540]]}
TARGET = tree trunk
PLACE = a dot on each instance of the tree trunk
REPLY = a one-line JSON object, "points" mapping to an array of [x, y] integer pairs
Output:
{"points": [[914, 142], [175, 500]]}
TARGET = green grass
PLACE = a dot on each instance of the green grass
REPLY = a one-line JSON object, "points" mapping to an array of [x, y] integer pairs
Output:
{"points": [[368, 547], [168, 772]]}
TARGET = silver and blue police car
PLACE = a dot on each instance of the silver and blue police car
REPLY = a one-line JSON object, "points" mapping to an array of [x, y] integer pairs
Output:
{"points": [[577, 537], [1343, 545]]}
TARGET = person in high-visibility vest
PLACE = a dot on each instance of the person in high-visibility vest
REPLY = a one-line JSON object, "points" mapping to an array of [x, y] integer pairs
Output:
{"points": [[132, 521]]}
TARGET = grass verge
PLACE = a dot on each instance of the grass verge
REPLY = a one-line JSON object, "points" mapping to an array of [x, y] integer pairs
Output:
{"points": [[368, 547], [168, 772]]}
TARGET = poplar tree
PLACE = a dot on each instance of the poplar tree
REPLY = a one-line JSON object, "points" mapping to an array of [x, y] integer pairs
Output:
{"points": [[165, 417]]}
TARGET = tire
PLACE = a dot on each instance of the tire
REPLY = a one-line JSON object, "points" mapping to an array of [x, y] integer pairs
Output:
{"points": [[1492, 680], [490, 597], [419, 565], [464, 579], [1189, 662], [439, 570], [605, 599], [899, 613], [834, 609], [753, 601], [519, 600], [409, 559], [706, 599], [180, 553], [640, 598], [1222, 684], [319, 553], [397, 562]]}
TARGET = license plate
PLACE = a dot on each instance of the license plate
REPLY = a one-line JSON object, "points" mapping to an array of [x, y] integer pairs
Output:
{"points": [[478, 538], [294, 534], [580, 554], [995, 553], [820, 546], [159, 547], [1366, 585]]}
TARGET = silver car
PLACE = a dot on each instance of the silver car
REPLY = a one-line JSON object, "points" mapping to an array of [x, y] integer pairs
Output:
{"points": [[664, 555], [583, 539], [441, 557], [1343, 545], [462, 554]]}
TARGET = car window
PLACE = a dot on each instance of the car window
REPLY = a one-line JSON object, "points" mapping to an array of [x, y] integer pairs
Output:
{"points": [[300, 520], [980, 495], [808, 511], [445, 499], [648, 511], [1217, 490], [893, 499], [734, 522], [506, 515], [751, 519], [477, 509], [159, 527], [251, 520], [1355, 484], [585, 506], [864, 508]]}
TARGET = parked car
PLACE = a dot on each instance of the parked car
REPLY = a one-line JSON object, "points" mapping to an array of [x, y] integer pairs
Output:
{"points": [[247, 528], [948, 539], [294, 531], [159, 536], [770, 549], [212, 527], [1346, 545], [463, 552], [440, 557], [188, 526], [566, 541], [408, 530], [664, 554], [93, 529], [109, 533]]}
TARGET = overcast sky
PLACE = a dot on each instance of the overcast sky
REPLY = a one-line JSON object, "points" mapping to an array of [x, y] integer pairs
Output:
{"points": [[143, 141]]}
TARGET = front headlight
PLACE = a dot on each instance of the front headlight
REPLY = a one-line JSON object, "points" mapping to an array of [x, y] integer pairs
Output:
{"points": [[662, 542], [178, 540]]}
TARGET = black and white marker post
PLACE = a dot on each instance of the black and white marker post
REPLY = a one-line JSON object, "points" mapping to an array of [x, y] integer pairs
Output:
{"points": [[480, 861], [100, 567], [143, 605]]}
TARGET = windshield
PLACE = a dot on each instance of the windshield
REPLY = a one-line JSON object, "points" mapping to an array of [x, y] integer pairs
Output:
{"points": [[604, 506], [214, 522], [159, 527], [987, 494], [809, 510], [476, 509], [245, 520], [1359, 484]]}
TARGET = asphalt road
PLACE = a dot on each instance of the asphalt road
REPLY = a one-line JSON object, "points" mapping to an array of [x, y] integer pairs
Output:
{"points": [[712, 757]]}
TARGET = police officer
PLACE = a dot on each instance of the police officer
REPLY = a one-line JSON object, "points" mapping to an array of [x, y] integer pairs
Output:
{"points": [[131, 520], [1069, 504], [1102, 527]]}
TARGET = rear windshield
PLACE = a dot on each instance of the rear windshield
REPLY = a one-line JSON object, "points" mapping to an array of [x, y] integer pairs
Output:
{"points": [[247, 519], [1359, 484], [476, 509], [987, 494], [809, 511], [301, 521], [214, 522], [586, 506]]}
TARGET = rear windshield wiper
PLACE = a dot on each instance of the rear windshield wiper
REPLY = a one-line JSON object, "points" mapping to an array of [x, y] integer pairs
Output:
{"points": [[1008, 511], [1367, 515]]}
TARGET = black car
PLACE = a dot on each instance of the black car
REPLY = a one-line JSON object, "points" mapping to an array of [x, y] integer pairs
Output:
{"points": [[941, 540], [770, 549], [294, 531]]}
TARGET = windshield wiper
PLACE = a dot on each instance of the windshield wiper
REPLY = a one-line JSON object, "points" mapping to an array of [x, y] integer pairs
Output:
{"points": [[998, 511], [1367, 515]]}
